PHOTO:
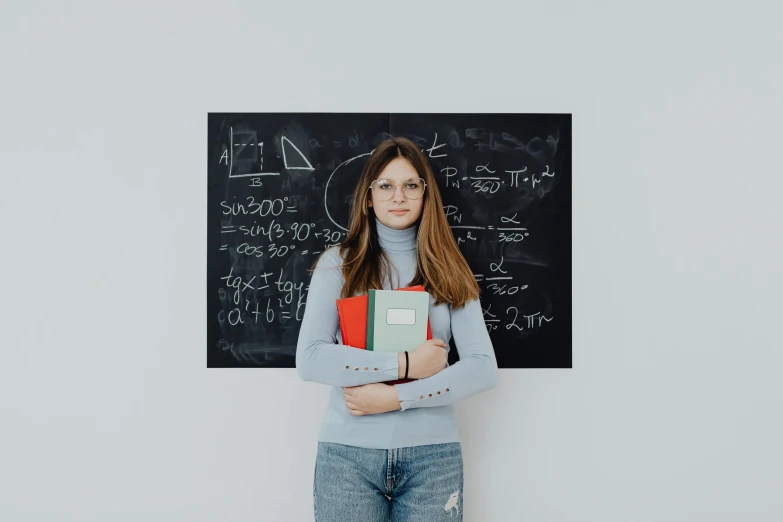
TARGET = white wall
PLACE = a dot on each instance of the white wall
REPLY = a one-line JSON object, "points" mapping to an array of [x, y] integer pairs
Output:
{"points": [[672, 409]]}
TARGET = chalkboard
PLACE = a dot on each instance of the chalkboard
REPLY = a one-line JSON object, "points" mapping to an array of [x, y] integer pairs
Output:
{"points": [[279, 192]]}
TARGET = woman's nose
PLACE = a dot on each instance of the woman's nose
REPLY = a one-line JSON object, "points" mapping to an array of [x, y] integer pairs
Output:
{"points": [[399, 194]]}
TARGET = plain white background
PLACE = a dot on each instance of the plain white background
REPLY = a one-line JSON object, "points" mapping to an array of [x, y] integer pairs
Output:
{"points": [[672, 409]]}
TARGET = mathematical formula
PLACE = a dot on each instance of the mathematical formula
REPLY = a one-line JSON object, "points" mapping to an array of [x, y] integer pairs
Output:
{"points": [[268, 230]]}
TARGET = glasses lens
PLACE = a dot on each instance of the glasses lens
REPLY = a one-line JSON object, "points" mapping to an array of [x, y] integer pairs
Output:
{"points": [[384, 188], [414, 188]]}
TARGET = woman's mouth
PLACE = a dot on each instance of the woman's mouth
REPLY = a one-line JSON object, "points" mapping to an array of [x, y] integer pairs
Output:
{"points": [[399, 212]]}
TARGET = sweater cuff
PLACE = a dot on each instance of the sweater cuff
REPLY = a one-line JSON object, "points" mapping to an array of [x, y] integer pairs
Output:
{"points": [[410, 393], [358, 361]]}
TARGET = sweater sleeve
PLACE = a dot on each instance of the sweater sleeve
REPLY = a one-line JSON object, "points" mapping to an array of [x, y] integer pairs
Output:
{"points": [[319, 357], [475, 372]]}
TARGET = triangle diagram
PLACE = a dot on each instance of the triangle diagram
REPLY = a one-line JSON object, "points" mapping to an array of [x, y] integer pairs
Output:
{"points": [[293, 157]]}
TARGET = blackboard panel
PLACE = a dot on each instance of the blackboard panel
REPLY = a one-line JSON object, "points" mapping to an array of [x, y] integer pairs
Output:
{"points": [[279, 193]]}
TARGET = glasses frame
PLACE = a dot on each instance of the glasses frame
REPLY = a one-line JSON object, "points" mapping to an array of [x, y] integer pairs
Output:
{"points": [[395, 185]]}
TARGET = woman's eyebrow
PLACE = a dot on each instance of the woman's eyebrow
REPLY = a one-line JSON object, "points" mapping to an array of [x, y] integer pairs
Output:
{"points": [[399, 180]]}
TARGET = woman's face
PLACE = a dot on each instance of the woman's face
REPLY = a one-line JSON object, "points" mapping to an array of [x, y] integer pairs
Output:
{"points": [[398, 172]]}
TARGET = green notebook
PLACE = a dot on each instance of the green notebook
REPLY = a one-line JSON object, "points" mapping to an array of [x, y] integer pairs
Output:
{"points": [[396, 321]]}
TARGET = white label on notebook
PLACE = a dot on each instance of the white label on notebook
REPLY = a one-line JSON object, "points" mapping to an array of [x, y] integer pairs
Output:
{"points": [[400, 316]]}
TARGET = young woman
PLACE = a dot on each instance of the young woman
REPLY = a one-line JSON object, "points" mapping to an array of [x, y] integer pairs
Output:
{"points": [[393, 452]]}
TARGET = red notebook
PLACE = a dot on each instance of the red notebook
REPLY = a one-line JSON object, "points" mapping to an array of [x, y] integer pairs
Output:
{"points": [[353, 322]]}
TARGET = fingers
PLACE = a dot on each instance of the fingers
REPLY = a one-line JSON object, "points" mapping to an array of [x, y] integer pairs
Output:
{"points": [[356, 412]]}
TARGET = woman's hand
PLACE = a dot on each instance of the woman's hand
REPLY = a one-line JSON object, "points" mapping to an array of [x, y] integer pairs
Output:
{"points": [[369, 399], [427, 359]]}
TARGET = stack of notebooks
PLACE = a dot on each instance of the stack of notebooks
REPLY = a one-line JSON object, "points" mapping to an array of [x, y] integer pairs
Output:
{"points": [[386, 320]]}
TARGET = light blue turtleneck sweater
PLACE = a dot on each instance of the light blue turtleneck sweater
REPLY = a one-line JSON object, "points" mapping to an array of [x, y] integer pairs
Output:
{"points": [[427, 414]]}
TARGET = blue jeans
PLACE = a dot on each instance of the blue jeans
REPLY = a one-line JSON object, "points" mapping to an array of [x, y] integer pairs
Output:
{"points": [[413, 484]]}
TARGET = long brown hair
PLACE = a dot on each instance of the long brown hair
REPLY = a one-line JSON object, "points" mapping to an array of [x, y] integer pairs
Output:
{"points": [[440, 266]]}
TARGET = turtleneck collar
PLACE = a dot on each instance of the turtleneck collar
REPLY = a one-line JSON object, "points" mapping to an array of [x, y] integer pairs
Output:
{"points": [[396, 240]]}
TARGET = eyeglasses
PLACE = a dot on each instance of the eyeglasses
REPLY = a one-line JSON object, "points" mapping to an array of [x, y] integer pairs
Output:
{"points": [[384, 189]]}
